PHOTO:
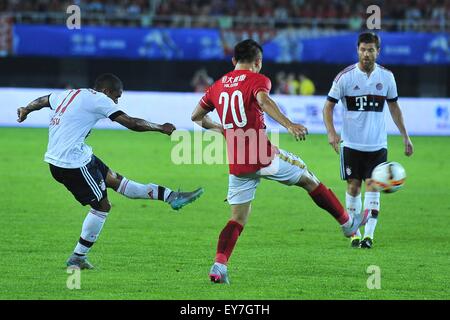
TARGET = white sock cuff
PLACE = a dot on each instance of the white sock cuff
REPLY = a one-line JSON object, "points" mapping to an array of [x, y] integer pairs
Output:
{"points": [[354, 197], [123, 185], [351, 198], [372, 200], [99, 214], [371, 195]]}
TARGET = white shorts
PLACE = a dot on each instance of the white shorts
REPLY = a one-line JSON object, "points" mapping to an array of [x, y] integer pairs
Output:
{"points": [[285, 168]]}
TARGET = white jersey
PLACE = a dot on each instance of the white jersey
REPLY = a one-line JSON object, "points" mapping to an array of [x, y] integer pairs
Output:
{"points": [[364, 97], [75, 114]]}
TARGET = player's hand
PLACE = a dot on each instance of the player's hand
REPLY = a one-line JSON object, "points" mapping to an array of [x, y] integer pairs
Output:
{"points": [[298, 131], [409, 148], [22, 114], [167, 128], [334, 139]]}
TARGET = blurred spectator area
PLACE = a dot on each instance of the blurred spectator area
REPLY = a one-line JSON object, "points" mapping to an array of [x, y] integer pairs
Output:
{"points": [[5, 35], [201, 80], [290, 83], [399, 15], [177, 76]]}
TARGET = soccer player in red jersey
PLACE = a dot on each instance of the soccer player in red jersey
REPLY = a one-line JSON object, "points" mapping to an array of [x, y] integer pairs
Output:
{"points": [[240, 98]]}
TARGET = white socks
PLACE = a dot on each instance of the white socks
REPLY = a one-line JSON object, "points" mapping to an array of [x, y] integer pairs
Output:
{"points": [[92, 226], [134, 190], [371, 203], [354, 205]]}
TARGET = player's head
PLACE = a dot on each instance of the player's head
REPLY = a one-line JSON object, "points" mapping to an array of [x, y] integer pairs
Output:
{"points": [[110, 85], [368, 49], [248, 52]]}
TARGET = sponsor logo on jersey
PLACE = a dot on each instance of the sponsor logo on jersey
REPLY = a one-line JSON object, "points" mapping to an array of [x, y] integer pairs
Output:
{"points": [[379, 86], [365, 103], [230, 82], [356, 87]]}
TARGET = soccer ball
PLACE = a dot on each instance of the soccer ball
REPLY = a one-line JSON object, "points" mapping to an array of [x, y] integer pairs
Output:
{"points": [[388, 177]]}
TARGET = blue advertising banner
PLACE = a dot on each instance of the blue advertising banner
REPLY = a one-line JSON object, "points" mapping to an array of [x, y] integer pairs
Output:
{"points": [[131, 43], [207, 44], [396, 48]]}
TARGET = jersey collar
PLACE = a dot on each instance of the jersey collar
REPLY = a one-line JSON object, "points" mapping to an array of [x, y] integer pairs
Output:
{"points": [[375, 69]]}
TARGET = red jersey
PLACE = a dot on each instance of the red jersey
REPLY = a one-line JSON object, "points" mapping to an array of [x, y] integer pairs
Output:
{"points": [[234, 98]]}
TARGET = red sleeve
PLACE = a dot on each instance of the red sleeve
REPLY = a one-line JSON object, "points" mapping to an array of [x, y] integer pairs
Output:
{"points": [[205, 101], [262, 83]]}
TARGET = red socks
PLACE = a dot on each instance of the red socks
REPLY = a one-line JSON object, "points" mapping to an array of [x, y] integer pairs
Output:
{"points": [[326, 199], [322, 196], [227, 241]]}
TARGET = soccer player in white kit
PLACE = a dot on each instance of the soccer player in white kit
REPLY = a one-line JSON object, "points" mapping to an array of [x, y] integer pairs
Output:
{"points": [[363, 89], [73, 163]]}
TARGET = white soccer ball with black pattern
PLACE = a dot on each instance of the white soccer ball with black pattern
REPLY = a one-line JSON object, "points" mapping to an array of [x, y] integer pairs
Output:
{"points": [[388, 177]]}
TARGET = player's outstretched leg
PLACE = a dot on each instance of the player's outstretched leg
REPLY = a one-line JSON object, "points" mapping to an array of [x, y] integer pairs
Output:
{"points": [[134, 190], [227, 241], [92, 226], [326, 199]]}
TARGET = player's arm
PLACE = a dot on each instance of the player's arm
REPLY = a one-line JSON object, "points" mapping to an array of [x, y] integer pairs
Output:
{"points": [[37, 104], [333, 138], [397, 117], [140, 125], [200, 117], [270, 107]]}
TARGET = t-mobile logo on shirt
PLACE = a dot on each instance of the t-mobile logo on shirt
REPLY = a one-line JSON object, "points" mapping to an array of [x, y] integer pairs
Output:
{"points": [[361, 102], [365, 103]]}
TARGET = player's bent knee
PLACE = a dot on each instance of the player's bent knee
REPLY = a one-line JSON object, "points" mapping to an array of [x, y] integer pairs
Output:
{"points": [[353, 187], [308, 181], [241, 212], [113, 180], [104, 205]]}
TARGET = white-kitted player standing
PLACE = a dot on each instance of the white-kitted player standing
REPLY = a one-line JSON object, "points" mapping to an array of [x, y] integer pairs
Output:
{"points": [[363, 89]]}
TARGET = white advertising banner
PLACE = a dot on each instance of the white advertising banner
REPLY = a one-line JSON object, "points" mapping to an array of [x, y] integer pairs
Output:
{"points": [[423, 116]]}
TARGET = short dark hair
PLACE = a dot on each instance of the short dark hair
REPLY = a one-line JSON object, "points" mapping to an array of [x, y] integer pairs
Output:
{"points": [[369, 37], [247, 51], [108, 81]]}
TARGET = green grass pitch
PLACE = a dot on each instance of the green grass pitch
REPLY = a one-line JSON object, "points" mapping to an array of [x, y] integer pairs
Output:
{"points": [[290, 249]]}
